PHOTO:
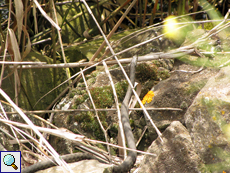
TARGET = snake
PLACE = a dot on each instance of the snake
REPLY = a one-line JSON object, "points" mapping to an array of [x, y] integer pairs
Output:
{"points": [[129, 161]]}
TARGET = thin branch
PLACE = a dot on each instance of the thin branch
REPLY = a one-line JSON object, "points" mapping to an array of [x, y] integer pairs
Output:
{"points": [[114, 28], [121, 130], [142, 134], [40, 41], [22, 63], [133, 101], [86, 110], [147, 57], [23, 134], [126, 76], [69, 136], [46, 16]]}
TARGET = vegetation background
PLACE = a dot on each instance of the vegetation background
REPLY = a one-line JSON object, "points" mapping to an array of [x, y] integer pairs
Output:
{"points": [[35, 33], [46, 30]]}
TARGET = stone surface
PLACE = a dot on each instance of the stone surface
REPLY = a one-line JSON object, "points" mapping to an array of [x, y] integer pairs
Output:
{"points": [[203, 145], [178, 91], [84, 166], [175, 154], [207, 118]]}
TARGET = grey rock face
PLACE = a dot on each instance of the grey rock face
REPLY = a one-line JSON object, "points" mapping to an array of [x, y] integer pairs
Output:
{"points": [[208, 117], [176, 154], [84, 166], [178, 91]]}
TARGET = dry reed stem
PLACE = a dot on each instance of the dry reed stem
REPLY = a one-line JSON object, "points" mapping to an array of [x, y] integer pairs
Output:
{"points": [[113, 30], [121, 134], [69, 136], [60, 161], [22, 134], [147, 57], [11, 127], [133, 101], [142, 134], [126, 76], [86, 110], [46, 16], [60, 41]]}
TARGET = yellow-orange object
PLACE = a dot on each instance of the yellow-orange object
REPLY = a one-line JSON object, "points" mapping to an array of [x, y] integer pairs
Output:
{"points": [[148, 97]]}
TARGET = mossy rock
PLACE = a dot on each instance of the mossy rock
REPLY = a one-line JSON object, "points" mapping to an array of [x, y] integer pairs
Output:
{"points": [[86, 123]]}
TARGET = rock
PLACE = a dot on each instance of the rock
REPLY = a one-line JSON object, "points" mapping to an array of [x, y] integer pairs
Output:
{"points": [[84, 166], [178, 91], [206, 119], [85, 123], [176, 154]]}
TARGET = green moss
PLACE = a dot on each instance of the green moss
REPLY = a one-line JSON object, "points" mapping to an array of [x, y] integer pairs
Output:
{"points": [[75, 130], [72, 93], [163, 74], [82, 91], [80, 99], [94, 74], [132, 124], [121, 88], [88, 123], [81, 83], [91, 81], [103, 96], [74, 106], [157, 63]]}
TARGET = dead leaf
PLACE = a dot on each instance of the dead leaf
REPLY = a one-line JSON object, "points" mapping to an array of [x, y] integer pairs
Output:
{"points": [[46, 16], [35, 19], [19, 17], [13, 46]]}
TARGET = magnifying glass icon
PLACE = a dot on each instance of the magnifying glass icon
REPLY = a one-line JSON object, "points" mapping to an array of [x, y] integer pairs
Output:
{"points": [[9, 160]]}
